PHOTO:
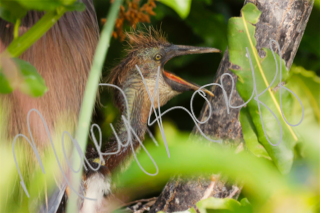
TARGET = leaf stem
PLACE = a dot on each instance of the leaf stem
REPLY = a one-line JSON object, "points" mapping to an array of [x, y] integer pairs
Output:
{"points": [[22, 43], [89, 98], [16, 29]]}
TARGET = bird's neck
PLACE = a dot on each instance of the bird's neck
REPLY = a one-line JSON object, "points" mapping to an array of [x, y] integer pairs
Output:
{"points": [[139, 103], [138, 108], [138, 125]]}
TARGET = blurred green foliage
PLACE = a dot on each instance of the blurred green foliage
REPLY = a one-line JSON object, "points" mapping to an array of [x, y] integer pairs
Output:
{"points": [[181, 7], [266, 188], [16, 9]]}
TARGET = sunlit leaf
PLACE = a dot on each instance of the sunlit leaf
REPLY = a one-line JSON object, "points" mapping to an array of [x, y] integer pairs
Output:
{"points": [[226, 203], [241, 34], [181, 7], [306, 85], [250, 135], [295, 201]]}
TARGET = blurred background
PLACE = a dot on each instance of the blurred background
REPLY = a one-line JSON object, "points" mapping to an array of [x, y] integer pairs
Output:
{"points": [[206, 25]]}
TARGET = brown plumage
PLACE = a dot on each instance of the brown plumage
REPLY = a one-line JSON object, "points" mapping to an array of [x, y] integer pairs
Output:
{"points": [[63, 58]]}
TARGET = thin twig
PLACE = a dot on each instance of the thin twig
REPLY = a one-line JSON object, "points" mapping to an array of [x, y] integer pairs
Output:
{"points": [[140, 201], [210, 188], [234, 192]]}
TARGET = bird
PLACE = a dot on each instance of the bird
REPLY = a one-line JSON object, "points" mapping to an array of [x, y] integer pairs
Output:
{"points": [[63, 57], [148, 52]]}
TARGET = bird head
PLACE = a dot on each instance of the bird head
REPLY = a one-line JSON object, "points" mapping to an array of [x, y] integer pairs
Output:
{"points": [[149, 50]]}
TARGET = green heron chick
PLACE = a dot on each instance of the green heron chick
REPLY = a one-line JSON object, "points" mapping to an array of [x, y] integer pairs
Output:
{"points": [[148, 51]]}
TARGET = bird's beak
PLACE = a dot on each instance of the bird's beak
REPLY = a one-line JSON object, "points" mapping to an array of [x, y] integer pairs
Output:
{"points": [[177, 50], [176, 82], [182, 85]]}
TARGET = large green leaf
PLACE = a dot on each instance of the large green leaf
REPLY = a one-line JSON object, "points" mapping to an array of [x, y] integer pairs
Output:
{"points": [[277, 137], [250, 135], [181, 7], [306, 85]]}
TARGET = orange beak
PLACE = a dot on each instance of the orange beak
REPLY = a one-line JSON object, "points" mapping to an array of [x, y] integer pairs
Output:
{"points": [[181, 81]]}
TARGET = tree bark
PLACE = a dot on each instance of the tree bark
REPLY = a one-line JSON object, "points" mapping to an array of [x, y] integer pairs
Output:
{"points": [[282, 20]]}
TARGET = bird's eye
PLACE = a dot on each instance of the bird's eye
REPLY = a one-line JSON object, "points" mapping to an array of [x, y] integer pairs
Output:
{"points": [[158, 57]]}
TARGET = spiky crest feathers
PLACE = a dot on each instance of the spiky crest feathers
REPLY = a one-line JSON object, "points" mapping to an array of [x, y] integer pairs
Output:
{"points": [[137, 40]]}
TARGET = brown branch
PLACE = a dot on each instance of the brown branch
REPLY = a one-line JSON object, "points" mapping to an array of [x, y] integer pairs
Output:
{"points": [[140, 201], [281, 20]]}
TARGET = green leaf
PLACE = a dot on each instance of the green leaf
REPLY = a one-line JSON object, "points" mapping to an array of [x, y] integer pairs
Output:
{"points": [[306, 85], [181, 7], [317, 3], [4, 84], [77, 6], [226, 203], [241, 32], [50, 5], [250, 135], [245, 202], [18, 74], [32, 83], [11, 11], [41, 5]]}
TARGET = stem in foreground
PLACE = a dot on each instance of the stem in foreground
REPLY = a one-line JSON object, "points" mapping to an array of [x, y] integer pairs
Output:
{"points": [[89, 98]]}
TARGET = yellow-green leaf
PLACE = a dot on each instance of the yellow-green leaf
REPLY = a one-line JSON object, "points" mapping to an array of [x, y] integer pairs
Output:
{"points": [[181, 7], [277, 137]]}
